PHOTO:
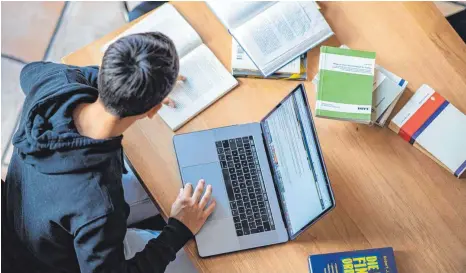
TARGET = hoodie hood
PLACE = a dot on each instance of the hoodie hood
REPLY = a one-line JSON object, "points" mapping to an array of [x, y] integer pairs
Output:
{"points": [[47, 137]]}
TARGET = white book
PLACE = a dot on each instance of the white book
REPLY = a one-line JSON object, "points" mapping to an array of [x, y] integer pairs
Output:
{"points": [[434, 126], [207, 79], [273, 33], [387, 95]]}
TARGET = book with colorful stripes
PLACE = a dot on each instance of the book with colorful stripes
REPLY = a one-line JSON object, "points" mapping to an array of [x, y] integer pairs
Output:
{"points": [[436, 127], [345, 84], [377, 260]]}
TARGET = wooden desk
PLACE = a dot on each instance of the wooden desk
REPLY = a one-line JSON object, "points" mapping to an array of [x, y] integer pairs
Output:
{"points": [[387, 192]]}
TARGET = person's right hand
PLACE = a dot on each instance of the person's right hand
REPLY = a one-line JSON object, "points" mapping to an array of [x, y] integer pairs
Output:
{"points": [[169, 102], [190, 209]]}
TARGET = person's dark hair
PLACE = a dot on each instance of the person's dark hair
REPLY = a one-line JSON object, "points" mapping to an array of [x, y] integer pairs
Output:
{"points": [[137, 73]]}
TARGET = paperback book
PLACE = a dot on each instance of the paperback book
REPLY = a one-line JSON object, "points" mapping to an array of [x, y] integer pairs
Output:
{"points": [[378, 260], [345, 86]]}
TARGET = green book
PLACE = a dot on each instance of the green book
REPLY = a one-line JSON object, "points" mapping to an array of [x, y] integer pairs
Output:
{"points": [[345, 84]]}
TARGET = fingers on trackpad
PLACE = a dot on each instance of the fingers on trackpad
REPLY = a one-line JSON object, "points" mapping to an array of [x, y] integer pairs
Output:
{"points": [[212, 175]]}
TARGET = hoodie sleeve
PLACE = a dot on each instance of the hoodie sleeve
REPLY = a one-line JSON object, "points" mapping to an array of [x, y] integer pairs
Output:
{"points": [[99, 246]]}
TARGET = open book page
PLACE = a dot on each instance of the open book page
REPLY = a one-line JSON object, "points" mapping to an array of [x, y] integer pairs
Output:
{"points": [[206, 81], [281, 33], [167, 20], [240, 60], [233, 14]]}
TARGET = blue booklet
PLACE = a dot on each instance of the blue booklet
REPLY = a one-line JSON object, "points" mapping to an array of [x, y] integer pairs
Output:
{"points": [[377, 260]]}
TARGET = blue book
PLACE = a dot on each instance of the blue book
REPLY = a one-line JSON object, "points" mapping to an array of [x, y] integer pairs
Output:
{"points": [[377, 260]]}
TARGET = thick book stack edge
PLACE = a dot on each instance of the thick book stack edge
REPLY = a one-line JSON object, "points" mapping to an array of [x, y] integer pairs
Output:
{"points": [[243, 67], [434, 126]]}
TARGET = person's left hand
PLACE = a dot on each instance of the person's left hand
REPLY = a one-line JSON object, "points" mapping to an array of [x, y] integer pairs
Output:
{"points": [[169, 102]]}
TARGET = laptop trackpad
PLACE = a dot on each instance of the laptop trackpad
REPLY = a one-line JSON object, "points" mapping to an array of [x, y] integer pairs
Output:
{"points": [[212, 174]]}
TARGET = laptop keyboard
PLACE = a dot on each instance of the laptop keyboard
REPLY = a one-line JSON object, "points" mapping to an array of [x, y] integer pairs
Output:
{"points": [[245, 187]]}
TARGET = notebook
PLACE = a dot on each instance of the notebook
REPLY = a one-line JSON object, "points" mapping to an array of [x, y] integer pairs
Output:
{"points": [[207, 79], [436, 127], [273, 33], [346, 81], [242, 66], [377, 260]]}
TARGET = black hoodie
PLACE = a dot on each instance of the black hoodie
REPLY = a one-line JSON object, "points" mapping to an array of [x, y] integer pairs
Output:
{"points": [[65, 206]]}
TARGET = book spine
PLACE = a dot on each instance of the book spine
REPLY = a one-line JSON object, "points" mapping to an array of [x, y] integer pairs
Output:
{"points": [[323, 49]]}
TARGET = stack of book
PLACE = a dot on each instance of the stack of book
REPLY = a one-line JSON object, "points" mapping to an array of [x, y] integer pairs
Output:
{"points": [[242, 66], [352, 87], [269, 38], [434, 126]]}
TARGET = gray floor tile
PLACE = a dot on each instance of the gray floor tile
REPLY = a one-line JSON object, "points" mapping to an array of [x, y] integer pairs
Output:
{"points": [[12, 100], [83, 23], [27, 28]]}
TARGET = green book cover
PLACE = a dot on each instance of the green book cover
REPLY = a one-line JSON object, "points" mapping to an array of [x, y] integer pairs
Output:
{"points": [[345, 84]]}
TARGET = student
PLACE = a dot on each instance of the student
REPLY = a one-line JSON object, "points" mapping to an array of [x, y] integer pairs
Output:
{"points": [[65, 210]]}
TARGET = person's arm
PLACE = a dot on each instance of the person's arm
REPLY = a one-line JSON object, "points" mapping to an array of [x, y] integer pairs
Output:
{"points": [[99, 243], [99, 247]]}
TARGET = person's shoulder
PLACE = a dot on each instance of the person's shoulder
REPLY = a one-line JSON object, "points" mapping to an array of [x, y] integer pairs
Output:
{"points": [[42, 67], [38, 73], [45, 70]]}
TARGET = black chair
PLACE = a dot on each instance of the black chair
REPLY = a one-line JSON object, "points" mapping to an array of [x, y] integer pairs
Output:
{"points": [[458, 22], [140, 9]]}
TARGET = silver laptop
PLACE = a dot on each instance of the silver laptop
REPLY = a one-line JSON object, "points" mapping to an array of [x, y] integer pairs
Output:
{"points": [[269, 178]]}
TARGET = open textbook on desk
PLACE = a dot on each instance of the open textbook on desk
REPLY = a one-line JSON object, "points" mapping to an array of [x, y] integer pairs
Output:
{"points": [[207, 79], [273, 33]]}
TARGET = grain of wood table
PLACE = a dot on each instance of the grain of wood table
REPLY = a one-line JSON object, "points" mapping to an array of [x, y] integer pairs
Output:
{"points": [[387, 192]]}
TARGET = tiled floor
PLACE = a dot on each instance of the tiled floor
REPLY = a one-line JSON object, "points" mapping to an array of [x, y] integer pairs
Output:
{"points": [[12, 99], [82, 23], [27, 28]]}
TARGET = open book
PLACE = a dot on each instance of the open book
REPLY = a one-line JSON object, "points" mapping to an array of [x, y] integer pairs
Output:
{"points": [[206, 78], [273, 33]]}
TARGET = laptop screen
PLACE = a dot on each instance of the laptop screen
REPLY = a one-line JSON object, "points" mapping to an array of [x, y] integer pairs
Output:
{"points": [[296, 162]]}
